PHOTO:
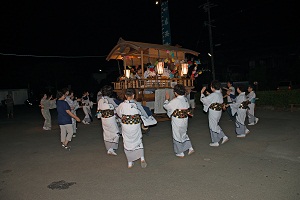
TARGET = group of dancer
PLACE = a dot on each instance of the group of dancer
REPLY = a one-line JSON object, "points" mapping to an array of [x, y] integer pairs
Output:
{"points": [[127, 118], [238, 108]]}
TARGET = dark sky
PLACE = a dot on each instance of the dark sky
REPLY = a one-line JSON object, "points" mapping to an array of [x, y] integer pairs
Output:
{"points": [[92, 28]]}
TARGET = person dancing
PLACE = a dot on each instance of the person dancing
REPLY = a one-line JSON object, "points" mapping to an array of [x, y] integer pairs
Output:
{"points": [[131, 129], [111, 132], [213, 104], [178, 111]]}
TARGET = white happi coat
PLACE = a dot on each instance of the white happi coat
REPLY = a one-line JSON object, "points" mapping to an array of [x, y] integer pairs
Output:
{"points": [[109, 125], [132, 134], [179, 125]]}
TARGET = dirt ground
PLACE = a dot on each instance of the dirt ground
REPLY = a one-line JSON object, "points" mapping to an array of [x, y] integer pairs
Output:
{"points": [[264, 165]]}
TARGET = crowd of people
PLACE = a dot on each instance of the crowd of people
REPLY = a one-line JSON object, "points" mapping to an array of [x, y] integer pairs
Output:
{"points": [[129, 119]]}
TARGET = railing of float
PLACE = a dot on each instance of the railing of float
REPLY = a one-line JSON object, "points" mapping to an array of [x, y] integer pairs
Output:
{"points": [[152, 83]]}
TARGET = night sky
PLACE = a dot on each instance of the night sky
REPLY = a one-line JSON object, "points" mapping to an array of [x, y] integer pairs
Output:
{"points": [[88, 30]]}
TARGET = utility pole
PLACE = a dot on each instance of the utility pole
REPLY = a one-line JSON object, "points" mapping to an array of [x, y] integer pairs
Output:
{"points": [[207, 7]]}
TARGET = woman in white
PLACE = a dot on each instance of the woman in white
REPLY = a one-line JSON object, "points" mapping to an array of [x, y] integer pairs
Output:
{"points": [[213, 104], [86, 107], [131, 129], [239, 110], [251, 97], [107, 106], [178, 111]]}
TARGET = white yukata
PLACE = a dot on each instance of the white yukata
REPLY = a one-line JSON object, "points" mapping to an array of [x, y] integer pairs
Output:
{"points": [[74, 106], [240, 127], [181, 141], [109, 123], [214, 116], [87, 106], [132, 134], [251, 97]]}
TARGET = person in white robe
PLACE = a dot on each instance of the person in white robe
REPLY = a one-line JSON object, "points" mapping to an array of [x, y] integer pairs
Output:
{"points": [[74, 105], [239, 110], [131, 129], [111, 132], [178, 111], [230, 95], [87, 105], [251, 97], [213, 104]]}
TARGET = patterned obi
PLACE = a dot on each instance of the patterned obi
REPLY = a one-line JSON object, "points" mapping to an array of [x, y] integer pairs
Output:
{"points": [[244, 104], [216, 106], [182, 113], [131, 119], [107, 113]]}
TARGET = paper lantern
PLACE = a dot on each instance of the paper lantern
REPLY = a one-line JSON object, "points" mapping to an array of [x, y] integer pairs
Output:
{"points": [[127, 73], [184, 68], [160, 68]]}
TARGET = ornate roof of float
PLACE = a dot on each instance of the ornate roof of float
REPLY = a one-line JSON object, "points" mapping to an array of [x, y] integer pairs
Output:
{"points": [[136, 49]]}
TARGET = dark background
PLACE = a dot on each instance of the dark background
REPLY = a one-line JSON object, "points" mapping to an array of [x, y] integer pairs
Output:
{"points": [[67, 41]]}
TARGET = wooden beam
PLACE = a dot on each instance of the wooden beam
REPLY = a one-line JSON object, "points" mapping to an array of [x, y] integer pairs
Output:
{"points": [[142, 63]]}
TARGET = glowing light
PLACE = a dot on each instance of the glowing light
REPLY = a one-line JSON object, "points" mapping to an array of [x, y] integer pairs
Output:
{"points": [[127, 73], [184, 68], [160, 68]]}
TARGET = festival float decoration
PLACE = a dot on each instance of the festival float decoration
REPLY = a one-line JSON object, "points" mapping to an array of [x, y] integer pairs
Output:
{"points": [[162, 66]]}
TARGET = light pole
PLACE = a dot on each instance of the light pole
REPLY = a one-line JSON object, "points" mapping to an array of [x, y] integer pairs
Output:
{"points": [[207, 7]]}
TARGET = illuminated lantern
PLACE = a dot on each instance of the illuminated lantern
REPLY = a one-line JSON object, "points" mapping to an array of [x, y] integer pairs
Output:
{"points": [[127, 73], [160, 68], [184, 69]]}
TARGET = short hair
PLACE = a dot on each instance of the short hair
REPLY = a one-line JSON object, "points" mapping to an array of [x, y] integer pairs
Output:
{"points": [[231, 82], [129, 92], [179, 89], [64, 90], [107, 90], [251, 86], [216, 85], [241, 87], [59, 94]]}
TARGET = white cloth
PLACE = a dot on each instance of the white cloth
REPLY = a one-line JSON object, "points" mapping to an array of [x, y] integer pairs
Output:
{"points": [[160, 97], [251, 97], [109, 125], [132, 134], [181, 141], [235, 106], [214, 116], [215, 97], [240, 127]]}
